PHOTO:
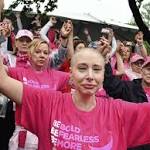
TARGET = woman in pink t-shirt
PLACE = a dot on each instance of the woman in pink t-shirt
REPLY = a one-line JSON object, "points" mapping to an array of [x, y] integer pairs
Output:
{"points": [[79, 121], [121, 62], [36, 74], [125, 51], [17, 58], [134, 72]]}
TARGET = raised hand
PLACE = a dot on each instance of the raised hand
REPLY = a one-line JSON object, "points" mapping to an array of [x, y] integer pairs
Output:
{"points": [[103, 46], [66, 29], [120, 47]]}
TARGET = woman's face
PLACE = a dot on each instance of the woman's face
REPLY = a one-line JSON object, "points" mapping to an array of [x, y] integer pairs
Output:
{"points": [[87, 72], [22, 44], [136, 66], [126, 53], [40, 56]]}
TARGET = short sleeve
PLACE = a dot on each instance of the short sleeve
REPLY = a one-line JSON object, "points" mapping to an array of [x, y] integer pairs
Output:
{"points": [[136, 123], [12, 72], [37, 106]]}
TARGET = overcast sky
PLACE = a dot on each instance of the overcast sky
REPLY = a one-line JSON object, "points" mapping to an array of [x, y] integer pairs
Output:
{"points": [[117, 10]]}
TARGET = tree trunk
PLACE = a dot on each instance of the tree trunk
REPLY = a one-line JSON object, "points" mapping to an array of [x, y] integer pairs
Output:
{"points": [[139, 21], [1, 7]]}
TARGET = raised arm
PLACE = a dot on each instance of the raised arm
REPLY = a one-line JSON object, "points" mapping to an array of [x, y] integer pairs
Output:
{"points": [[87, 34], [65, 49], [70, 48], [120, 65], [139, 47], [9, 86], [19, 23], [116, 87], [52, 21]]}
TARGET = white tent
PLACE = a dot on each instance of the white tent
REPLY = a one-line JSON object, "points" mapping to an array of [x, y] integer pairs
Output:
{"points": [[91, 11]]}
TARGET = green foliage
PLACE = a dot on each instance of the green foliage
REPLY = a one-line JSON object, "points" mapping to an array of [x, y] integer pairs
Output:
{"points": [[132, 22], [49, 5], [147, 46], [146, 13], [139, 3]]}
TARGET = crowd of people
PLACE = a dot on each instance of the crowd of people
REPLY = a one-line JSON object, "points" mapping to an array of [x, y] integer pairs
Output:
{"points": [[59, 92]]}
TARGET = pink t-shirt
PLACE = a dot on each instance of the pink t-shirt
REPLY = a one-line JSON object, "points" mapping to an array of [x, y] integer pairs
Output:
{"points": [[111, 125], [47, 79]]}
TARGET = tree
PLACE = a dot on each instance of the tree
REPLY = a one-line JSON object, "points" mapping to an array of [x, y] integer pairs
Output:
{"points": [[146, 13], [138, 19], [48, 5], [139, 3], [132, 22], [1, 7]]}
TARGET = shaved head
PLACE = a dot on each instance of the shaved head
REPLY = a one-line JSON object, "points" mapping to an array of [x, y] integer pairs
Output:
{"points": [[85, 51]]}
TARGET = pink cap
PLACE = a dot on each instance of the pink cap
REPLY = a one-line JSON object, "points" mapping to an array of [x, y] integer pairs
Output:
{"points": [[24, 32], [135, 58], [146, 62]]}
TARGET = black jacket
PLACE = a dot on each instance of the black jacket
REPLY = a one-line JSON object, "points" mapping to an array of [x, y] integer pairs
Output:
{"points": [[131, 91]]}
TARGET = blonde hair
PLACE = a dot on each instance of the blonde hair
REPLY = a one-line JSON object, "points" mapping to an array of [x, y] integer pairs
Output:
{"points": [[15, 49], [35, 44]]}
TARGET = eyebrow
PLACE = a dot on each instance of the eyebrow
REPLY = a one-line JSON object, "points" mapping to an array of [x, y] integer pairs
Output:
{"points": [[82, 64], [95, 65]]}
